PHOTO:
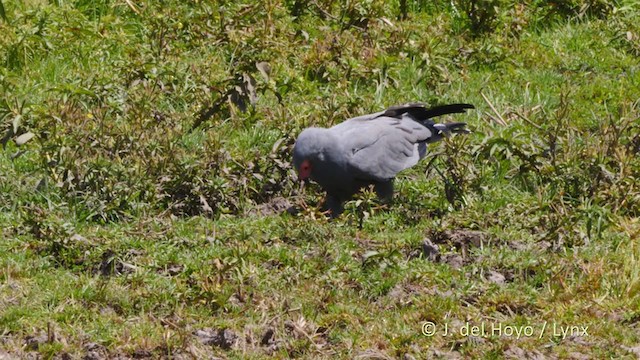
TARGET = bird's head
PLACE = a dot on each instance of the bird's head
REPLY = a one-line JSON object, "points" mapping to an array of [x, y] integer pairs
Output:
{"points": [[307, 152]]}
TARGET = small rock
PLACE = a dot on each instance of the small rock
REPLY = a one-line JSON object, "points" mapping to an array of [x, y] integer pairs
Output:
{"points": [[430, 250], [496, 277], [454, 260]]}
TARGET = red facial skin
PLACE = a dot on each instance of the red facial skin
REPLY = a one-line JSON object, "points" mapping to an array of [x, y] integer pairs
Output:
{"points": [[305, 170]]}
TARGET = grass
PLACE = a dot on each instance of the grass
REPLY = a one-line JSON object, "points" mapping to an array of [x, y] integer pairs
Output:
{"points": [[144, 218]]}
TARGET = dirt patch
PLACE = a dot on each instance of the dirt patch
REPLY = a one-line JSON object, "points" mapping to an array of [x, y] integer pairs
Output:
{"points": [[514, 352], [456, 261], [7, 356], [269, 341], [635, 350], [95, 352], [277, 205], [142, 354], [172, 269], [33, 342], [372, 354], [496, 277], [403, 294], [443, 354], [462, 240], [428, 250], [222, 338], [114, 264]]}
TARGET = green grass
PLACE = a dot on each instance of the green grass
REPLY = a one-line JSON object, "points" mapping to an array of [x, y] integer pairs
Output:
{"points": [[135, 223]]}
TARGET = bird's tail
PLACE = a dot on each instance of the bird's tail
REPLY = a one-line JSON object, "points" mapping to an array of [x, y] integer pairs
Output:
{"points": [[423, 115], [444, 130], [440, 131], [452, 128], [446, 109]]}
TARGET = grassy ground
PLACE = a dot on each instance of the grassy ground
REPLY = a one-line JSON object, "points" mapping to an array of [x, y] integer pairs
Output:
{"points": [[145, 173]]}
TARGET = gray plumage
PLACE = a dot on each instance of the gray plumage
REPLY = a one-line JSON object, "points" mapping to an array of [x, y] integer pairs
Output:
{"points": [[370, 149]]}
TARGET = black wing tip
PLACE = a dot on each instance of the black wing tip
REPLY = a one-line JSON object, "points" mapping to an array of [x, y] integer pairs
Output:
{"points": [[457, 106], [421, 112], [426, 106]]}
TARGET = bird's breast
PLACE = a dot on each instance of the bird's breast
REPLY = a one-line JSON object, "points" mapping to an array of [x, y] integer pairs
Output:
{"points": [[333, 178]]}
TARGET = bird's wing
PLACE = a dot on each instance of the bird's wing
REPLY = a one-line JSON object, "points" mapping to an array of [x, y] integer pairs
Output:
{"points": [[382, 144], [380, 148], [355, 122]]}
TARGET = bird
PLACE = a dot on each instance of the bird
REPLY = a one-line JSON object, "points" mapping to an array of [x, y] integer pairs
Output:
{"points": [[370, 150]]}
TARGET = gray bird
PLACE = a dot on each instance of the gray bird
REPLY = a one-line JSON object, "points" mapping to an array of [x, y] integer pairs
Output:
{"points": [[370, 150]]}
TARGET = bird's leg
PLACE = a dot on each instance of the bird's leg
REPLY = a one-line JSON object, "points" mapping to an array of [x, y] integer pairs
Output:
{"points": [[333, 204], [384, 190]]}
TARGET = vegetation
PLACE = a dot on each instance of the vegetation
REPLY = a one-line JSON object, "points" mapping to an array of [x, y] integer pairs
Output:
{"points": [[145, 175]]}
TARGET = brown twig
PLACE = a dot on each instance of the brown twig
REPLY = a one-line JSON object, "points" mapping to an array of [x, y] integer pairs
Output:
{"points": [[500, 118]]}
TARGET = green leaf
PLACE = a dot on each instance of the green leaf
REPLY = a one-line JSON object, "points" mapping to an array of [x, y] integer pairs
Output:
{"points": [[3, 14]]}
